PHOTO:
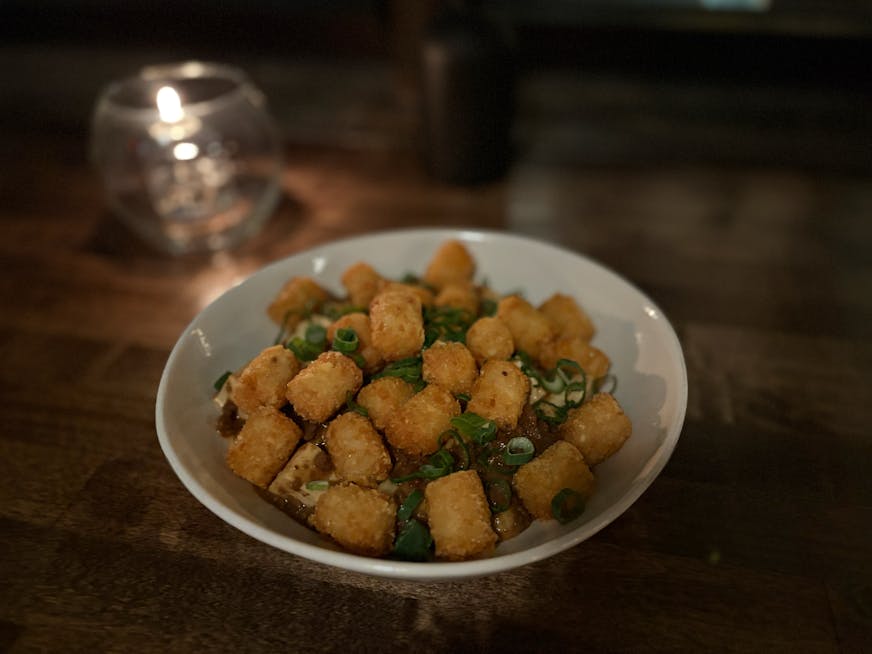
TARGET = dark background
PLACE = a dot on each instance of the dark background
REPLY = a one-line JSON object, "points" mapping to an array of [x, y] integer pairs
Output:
{"points": [[651, 81]]}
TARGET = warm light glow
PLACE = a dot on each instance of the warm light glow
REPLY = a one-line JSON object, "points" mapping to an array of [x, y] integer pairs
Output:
{"points": [[169, 104], [185, 151]]}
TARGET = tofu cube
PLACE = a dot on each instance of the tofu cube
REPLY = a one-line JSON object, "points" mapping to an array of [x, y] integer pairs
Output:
{"points": [[460, 296], [500, 393], [592, 360], [459, 516], [597, 429], [558, 467], [362, 520], [296, 299], [489, 338], [362, 282], [417, 424], [357, 450], [529, 327], [383, 397], [567, 317], [263, 446], [397, 324], [262, 382], [450, 365], [451, 263], [319, 389]]}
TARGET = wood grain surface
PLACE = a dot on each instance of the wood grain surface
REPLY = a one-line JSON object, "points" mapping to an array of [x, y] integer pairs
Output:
{"points": [[756, 537]]}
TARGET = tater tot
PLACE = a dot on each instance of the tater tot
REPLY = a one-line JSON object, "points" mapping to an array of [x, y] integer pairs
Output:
{"points": [[322, 387], [597, 429], [397, 324], [424, 294], [499, 393], [382, 397], [460, 296], [592, 360], [567, 317], [450, 365], [452, 263], [262, 382], [362, 283], [296, 299], [362, 520], [530, 328], [558, 467], [419, 422], [489, 338], [459, 516], [361, 325], [263, 446], [357, 450]]}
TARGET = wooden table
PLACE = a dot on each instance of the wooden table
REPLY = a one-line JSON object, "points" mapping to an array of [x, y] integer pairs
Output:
{"points": [[757, 536]]}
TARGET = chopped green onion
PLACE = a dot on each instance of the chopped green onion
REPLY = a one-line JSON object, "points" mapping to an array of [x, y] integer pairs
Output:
{"points": [[354, 406], [490, 457], [575, 394], [519, 450], [473, 426], [283, 327], [463, 397], [439, 465], [446, 323], [552, 382], [319, 485], [499, 495], [316, 335], [550, 412], [407, 508], [463, 464], [413, 542], [303, 349], [335, 310], [345, 340], [488, 307], [219, 383], [409, 370], [567, 505]]}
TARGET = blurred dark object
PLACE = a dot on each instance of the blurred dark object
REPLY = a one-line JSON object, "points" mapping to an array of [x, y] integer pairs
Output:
{"points": [[467, 95]]}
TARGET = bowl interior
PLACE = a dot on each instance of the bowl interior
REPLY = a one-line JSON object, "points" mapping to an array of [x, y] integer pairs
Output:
{"points": [[645, 353]]}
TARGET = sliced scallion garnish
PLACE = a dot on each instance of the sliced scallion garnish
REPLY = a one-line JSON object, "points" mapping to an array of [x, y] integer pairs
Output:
{"points": [[499, 495], [345, 340], [409, 370], [567, 505], [461, 448], [219, 383], [354, 406], [319, 485], [550, 412], [438, 465], [518, 451], [407, 508], [473, 426], [413, 542]]}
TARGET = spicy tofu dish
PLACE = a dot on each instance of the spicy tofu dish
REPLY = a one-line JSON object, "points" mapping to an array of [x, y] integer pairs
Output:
{"points": [[426, 418]]}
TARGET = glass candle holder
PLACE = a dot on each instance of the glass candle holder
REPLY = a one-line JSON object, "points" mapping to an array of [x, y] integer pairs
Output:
{"points": [[189, 157]]}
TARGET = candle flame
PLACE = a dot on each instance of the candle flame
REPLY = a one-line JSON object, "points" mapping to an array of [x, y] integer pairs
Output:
{"points": [[169, 104]]}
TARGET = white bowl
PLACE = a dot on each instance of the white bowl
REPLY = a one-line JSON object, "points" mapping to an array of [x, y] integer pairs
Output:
{"points": [[645, 352]]}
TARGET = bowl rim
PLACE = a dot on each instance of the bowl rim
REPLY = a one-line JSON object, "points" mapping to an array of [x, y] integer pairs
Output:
{"points": [[436, 570]]}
